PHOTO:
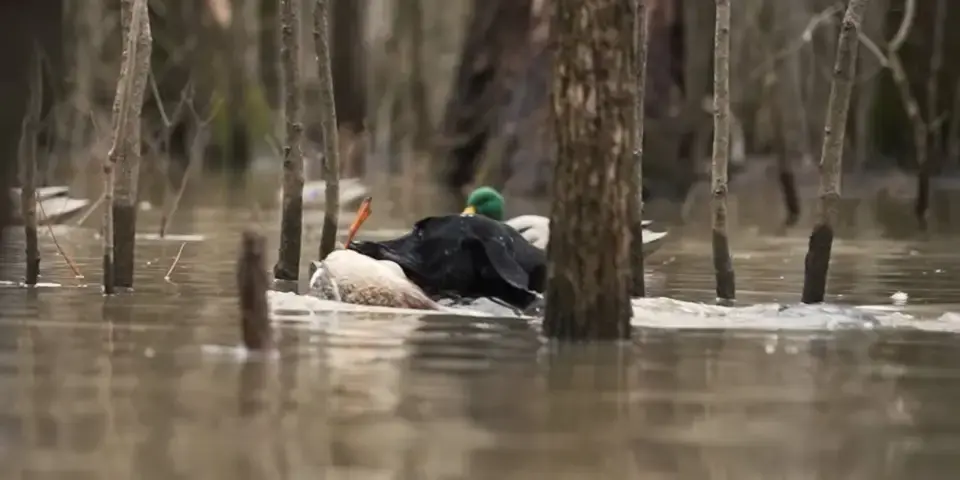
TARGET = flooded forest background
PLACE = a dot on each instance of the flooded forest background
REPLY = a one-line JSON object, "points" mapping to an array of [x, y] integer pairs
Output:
{"points": [[435, 97]]}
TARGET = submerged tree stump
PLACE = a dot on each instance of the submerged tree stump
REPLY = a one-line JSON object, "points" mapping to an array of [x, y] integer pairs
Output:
{"points": [[589, 277], [722, 264], [291, 222], [817, 261], [252, 285], [119, 223]]}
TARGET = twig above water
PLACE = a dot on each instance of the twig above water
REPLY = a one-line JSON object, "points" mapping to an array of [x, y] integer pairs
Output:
{"points": [[66, 258], [176, 260], [91, 209]]}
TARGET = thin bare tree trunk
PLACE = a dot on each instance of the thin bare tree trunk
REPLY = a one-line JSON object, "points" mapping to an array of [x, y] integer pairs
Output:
{"points": [[252, 289], [914, 115], [588, 254], [88, 25], [28, 168], [793, 121], [817, 261], [641, 28], [722, 264], [291, 223], [933, 81], [250, 34], [119, 227], [328, 121], [865, 96], [953, 133]]}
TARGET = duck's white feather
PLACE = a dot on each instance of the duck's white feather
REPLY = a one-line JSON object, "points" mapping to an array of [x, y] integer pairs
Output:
{"points": [[536, 229]]}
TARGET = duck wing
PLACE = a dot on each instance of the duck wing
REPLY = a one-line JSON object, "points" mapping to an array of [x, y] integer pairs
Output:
{"points": [[516, 261], [463, 246], [502, 260]]}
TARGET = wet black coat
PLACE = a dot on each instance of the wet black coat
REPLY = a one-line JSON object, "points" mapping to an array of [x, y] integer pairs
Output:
{"points": [[465, 255]]}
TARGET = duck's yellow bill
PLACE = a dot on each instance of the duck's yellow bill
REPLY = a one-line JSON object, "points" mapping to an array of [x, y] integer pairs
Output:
{"points": [[363, 213], [470, 210]]}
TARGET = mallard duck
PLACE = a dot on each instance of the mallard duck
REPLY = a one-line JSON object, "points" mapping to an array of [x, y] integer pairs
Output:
{"points": [[464, 256], [54, 205], [351, 277], [488, 202]]}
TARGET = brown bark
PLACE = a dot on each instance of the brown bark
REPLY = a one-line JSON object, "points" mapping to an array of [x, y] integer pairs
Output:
{"points": [[350, 80], [817, 261], [28, 169], [119, 227], [722, 264], [640, 26], [252, 289], [291, 223], [588, 289], [348, 53], [493, 50], [328, 120]]}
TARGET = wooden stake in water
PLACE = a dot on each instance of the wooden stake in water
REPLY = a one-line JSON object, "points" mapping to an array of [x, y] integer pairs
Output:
{"points": [[831, 157], [328, 118], [126, 157], [722, 264], [291, 223], [28, 169], [252, 285], [639, 61]]}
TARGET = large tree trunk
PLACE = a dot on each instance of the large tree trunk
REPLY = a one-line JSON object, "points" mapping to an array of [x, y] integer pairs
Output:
{"points": [[21, 24], [349, 52], [491, 57], [589, 249]]}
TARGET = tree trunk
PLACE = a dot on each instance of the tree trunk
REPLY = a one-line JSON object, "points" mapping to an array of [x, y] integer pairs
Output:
{"points": [[817, 260], [495, 39], [328, 120], [635, 199], [722, 264], [349, 57], [349, 60], [28, 169], [291, 223], [865, 97], [793, 121], [588, 290], [125, 152]]}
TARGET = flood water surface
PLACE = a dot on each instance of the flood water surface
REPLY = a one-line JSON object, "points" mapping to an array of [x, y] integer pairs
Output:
{"points": [[148, 384]]}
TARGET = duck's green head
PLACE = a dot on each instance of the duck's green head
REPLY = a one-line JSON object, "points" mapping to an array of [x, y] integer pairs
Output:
{"points": [[485, 201]]}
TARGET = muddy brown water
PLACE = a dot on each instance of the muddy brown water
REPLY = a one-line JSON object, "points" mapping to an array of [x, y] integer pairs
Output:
{"points": [[148, 384]]}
